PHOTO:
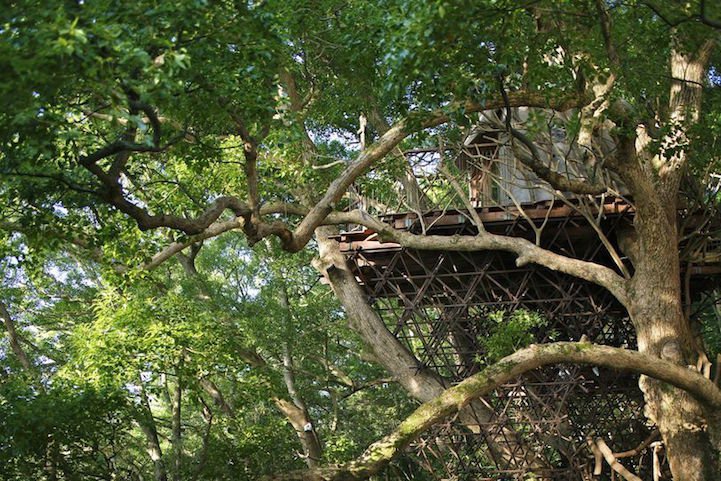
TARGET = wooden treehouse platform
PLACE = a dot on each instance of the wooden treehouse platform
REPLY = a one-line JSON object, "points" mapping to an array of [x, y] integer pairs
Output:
{"points": [[441, 305]]}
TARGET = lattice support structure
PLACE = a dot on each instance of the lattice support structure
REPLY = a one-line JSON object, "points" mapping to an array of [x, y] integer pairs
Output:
{"points": [[440, 305]]}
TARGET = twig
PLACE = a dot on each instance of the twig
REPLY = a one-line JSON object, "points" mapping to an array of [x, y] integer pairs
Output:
{"points": [[655, 434], [329, 165], [613, 462], [464, 198]]}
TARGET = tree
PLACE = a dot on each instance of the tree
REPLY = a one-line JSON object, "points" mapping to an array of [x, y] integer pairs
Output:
{"points": [[193, 371], [136, 132]]}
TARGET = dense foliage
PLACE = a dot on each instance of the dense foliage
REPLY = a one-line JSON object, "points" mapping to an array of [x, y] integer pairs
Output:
{"points": [[119, 118]]}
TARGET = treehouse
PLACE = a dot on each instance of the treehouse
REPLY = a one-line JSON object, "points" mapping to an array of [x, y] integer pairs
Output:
{"points": [[458, 311]]}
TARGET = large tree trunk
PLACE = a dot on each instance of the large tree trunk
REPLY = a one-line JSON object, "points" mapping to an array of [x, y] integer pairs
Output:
{"points": [[655, 299], [663, 331]]}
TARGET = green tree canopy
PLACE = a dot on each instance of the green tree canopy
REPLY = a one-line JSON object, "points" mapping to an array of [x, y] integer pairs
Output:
{"points": [[174, 175]]}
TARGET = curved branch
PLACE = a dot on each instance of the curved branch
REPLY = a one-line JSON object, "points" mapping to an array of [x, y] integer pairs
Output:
{"points": [[535, 162], [153, 118], [380, 453], [613, 461], [147, 221], [605, 22], [217, 228], [297, 239], [118, 147], [703, 16], [527, 252], [203, 226], [213, 230]]}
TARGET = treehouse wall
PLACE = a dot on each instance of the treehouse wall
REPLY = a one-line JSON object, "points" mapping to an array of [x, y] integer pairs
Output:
{"points": [[489, 158]]}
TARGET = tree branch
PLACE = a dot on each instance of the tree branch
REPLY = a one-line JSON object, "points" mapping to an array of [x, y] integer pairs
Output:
{"points": [[115, 148], [221, 227], [705, 19], [294, 241], [217, 396], [554, 179], [654, 436], [420, 382], [535, 162], [14, 338], [415, 122], [527, 252], [153, 118], [380, 453], [250, 166], [613, 462], [605, 21]]}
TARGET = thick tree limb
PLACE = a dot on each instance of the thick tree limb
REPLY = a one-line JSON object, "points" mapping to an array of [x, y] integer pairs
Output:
{"points": [[605, 22], [222, 227], [316, 216], [113, 194], [112, 190], [176, 437], [212, 390], [147, 221], [144, 418], [527, 252], [306, 428], [116, 148], [250, 150], [422, 383], [380, 453]]}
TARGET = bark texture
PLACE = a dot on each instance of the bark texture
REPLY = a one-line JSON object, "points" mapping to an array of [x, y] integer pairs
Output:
{"points": [[297, 411], [176, 422], [654, 292]]}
